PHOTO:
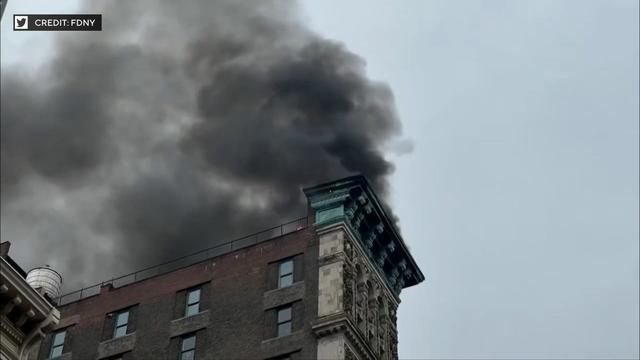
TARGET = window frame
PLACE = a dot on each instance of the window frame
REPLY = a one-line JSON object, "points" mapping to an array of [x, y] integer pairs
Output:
{"points": [[188, 304], [287, 322], [282, 275], [55, 346], [116, 327], [183, 351]]}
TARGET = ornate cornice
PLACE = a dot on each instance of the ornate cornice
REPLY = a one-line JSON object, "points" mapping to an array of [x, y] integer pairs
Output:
{"points": [[342, 324], [18, 286], [353, 202], [11, 331]]}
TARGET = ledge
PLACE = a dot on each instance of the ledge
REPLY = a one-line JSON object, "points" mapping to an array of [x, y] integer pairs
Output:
{"points": [[282, 345], [65, 356], [340, 323], [67, 321], [116, 346], [189, 324], [283, 296]]}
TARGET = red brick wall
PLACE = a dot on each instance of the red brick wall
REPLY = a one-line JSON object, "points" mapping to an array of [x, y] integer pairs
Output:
{"points": [[236, 283]]}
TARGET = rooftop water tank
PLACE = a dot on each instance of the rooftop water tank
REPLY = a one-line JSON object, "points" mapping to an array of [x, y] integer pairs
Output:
{"points": [[46, 280]]}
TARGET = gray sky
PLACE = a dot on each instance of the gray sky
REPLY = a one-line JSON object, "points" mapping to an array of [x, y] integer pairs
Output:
{"points": [[520, 198]]}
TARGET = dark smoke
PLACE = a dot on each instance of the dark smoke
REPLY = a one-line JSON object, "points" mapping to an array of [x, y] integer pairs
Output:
{"points": [[180, 125]]}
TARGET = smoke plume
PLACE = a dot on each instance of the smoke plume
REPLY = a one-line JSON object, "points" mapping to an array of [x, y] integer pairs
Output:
{"points": [[179, 126]]}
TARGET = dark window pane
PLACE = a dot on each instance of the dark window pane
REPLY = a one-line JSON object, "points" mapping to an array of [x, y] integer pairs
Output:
{"points": [[123, 318], [56, 351], [188, 355], [286, 280], [193, 309], [286, 267], [193, 297], [284, 315], [120, 331], [58, 338], [188, 343], [284, 329]]}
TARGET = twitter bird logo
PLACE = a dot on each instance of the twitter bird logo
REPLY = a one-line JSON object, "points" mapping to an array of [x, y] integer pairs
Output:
{"points": [[20, 22]]}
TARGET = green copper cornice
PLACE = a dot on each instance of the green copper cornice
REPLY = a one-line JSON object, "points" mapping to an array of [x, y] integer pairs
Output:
{"points": [[352, 201]]}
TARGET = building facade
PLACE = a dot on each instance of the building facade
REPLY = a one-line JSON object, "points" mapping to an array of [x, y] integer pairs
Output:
{"points": [[327, 289], [26, 314]]}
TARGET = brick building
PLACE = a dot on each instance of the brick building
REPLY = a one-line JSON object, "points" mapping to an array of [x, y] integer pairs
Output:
{"points": [[326, 286]]}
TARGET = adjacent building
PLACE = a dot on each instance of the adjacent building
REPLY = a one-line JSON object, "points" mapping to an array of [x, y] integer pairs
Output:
{"points": [[3, 4], [27, 309], [326, 286]]}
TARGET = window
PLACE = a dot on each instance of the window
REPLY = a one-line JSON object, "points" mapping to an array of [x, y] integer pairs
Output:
{"points": [[193, 302], [188, 348], [57, 345], [285, 273], [284, 321], [122, 321]]}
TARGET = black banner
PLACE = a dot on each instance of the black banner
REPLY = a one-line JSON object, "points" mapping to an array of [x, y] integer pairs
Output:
{"points": [[57, 22]]}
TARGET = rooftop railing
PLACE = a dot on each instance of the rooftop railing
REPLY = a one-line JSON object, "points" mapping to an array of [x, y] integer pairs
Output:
{"points": [[187, 260]]}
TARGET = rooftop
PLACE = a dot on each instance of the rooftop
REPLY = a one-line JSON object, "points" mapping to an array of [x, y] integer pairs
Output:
{"points": [[186, 260], [350, 200]]}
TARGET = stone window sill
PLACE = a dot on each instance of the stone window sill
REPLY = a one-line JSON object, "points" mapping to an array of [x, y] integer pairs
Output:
{"points": [[282, 345], [65, 356], [116, 346], [189, 324], [282, 296]]}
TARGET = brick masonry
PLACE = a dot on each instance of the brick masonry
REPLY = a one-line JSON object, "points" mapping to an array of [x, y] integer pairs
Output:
{"points": [[237, 319]]}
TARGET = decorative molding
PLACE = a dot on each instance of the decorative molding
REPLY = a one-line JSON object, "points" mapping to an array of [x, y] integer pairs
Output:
{"points": [[368, 304], [349, 354], [8, 329], [354, 255], [352, 201], [342, 324]]}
